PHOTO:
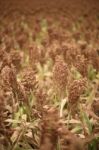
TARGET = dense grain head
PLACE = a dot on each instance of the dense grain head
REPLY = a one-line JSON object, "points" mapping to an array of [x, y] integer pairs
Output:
{"points": [[28, 79], [81, 64], [76, 88], [69, 141], [49, 124], [16, 59], [8, 76], [60, 76], [36, 54]]}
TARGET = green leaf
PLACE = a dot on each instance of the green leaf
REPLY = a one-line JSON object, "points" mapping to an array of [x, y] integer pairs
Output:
{"points": [[88, 123]]}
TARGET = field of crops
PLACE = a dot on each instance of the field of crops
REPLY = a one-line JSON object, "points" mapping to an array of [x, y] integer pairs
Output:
{"points": [[49, 75]]}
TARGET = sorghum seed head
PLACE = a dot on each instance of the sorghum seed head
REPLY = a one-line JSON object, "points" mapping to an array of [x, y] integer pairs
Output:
{"points": [[16, 59], [60, 74], [76, 88], [28, 79], [81, 64], [9, 77]]}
